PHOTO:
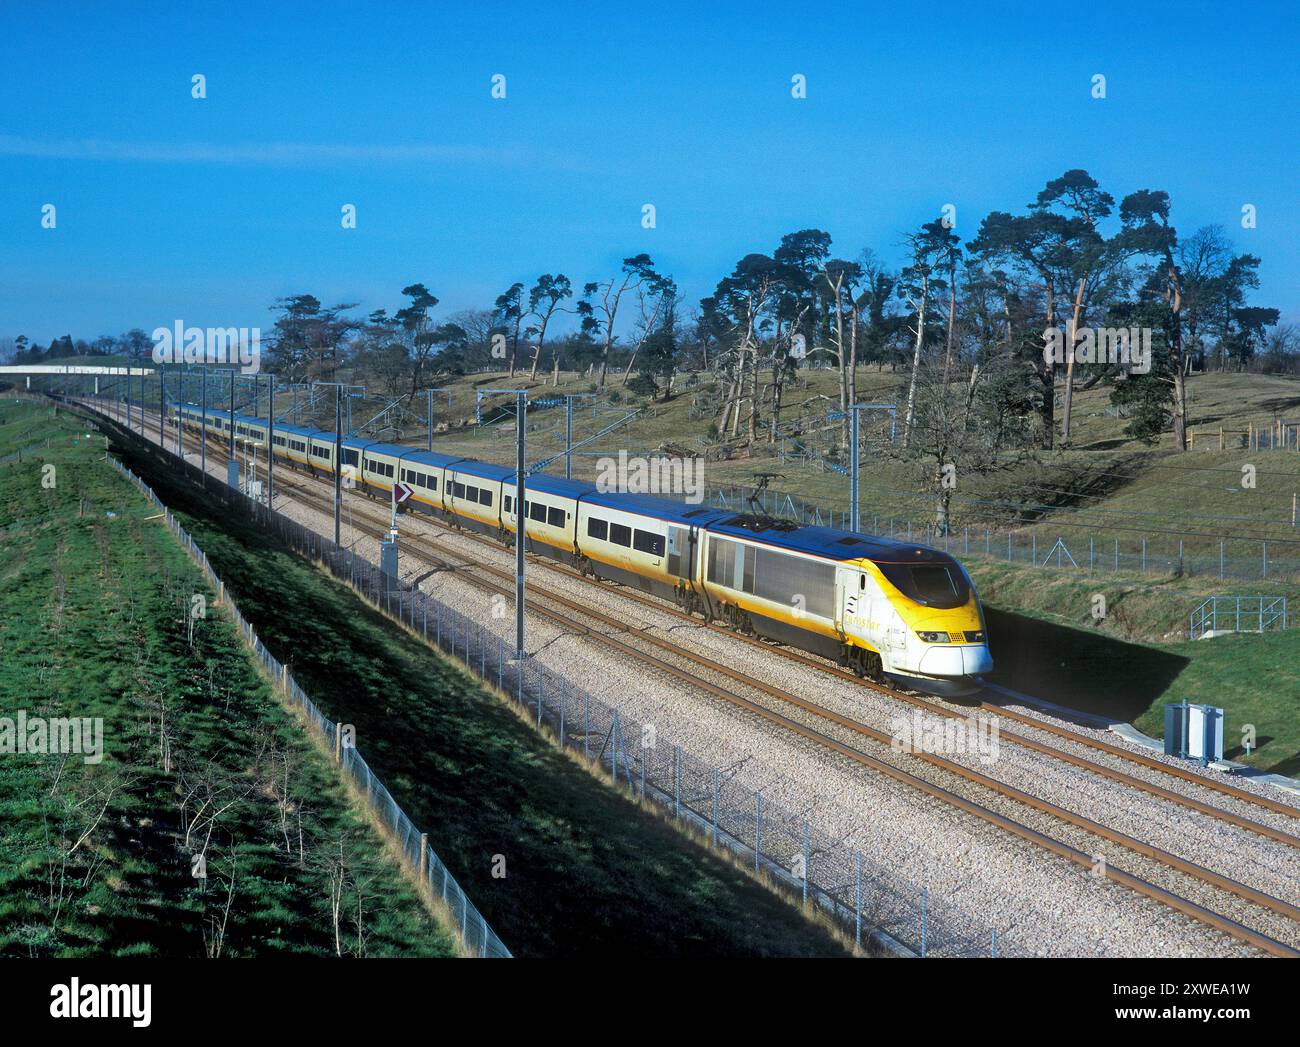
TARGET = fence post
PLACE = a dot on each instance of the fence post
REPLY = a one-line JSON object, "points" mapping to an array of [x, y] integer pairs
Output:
{"points": [[758, 827], [338, 743], [613, 745], [925, 918], [805, 862], [424, 856], [857, 898], [563, 703], [713, 789], [677, 782]]}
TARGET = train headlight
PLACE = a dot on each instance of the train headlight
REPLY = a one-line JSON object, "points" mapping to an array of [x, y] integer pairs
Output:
{"points": [[976, 636], [933, 637]]}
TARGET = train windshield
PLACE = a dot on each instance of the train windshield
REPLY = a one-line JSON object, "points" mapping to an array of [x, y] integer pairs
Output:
{"points": [[939, 585]]}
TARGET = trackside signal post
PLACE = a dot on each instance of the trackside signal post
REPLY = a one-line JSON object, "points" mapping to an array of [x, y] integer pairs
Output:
{"points": [[388, 548]]}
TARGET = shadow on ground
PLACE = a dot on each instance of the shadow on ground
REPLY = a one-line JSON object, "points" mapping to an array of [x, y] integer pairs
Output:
{"points": [[1084, 670]]}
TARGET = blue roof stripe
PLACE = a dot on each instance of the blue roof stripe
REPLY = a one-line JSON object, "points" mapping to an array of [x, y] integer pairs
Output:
{"points": [[817, 541], [660, 508]]}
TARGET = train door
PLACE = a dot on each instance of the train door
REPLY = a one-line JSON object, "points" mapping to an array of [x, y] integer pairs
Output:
{"points": [[679, 546], [852, 601], [845, 599]]}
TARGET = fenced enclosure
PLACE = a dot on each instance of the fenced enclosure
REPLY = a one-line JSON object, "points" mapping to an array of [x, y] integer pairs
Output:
{"points": [[477, 938], [880, 906], [1237, 614]]}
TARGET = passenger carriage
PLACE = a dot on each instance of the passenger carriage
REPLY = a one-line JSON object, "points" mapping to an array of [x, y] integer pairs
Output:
{"points": [[551, 507], [312, 449], [376, 463], [652, 544], [426, 472], [472, 493]]}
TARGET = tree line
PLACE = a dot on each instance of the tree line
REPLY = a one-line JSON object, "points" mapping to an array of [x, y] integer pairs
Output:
{"points": [[959, 320]]}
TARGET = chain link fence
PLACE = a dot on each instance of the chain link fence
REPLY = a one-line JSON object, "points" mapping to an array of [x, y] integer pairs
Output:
{"points": [[477, 938], [884, 908]]}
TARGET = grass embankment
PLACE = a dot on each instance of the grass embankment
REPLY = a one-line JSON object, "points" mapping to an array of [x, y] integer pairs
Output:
{"points": [[201, 761], [587, 871], [1135, 660]]}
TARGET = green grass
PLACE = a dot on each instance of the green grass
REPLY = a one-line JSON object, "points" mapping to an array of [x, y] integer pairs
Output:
{"points": [[93, 857], [588, 872], [1047, 644]]}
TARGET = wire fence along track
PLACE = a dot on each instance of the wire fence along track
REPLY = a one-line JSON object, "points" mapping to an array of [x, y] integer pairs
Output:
{"points": [[707, 803], [876, 903], [477, 937]]}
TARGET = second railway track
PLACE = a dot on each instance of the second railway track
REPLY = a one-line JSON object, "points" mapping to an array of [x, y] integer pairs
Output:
{"points": [[629, 641]]}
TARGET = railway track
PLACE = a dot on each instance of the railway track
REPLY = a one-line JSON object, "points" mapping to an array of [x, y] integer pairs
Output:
{"points": [[947, 711], [833, 728]]}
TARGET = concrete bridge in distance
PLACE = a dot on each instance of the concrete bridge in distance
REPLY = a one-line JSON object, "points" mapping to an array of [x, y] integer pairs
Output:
{"points": [[103, 371]]}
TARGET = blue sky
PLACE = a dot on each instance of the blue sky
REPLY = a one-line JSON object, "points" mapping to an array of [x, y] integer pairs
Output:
{"points": [[206, 210]]}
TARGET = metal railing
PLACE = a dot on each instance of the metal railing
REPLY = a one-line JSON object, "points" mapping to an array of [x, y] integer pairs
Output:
{"points": [[1237, 614]]}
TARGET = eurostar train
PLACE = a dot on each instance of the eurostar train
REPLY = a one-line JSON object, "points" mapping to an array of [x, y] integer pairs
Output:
{"points": [[885, 609]]}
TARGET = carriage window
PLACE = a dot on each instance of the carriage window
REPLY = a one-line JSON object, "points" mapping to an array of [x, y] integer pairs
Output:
{"points": [[536, 511], [620, 535], [484, 496], [506, 503], [349, 456], [597, 529], [555, 517], [646, 542]]}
